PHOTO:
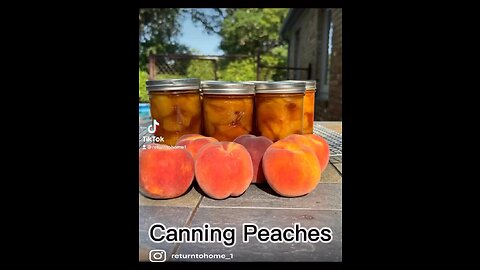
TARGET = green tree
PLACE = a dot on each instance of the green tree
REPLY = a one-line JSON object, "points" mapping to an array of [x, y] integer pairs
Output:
{"points": [[246, 31], [142, 86], [158, 28], [275, 57], [201, 69], [160, 24], [239, 70], [211, 19], [256, 31], [249, 31]]}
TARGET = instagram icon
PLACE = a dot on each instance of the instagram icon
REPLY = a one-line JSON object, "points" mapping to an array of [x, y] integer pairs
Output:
{"points": [[157, 255]]}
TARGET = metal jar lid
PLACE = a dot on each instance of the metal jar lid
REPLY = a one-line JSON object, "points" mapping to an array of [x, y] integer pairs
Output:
{"points": [[227, 88], [207, 82], [173, 84], [257, 82], [309, 84], [280, 88]]}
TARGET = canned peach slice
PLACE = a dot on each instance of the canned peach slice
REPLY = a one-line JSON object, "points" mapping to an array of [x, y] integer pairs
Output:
{"points": [[226, 132], [162, 106], [176, 122]]}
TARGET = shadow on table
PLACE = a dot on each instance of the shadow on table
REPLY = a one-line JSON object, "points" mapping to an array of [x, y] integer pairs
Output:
{"points": [[198, 189], [264, 187], [144, 194]]}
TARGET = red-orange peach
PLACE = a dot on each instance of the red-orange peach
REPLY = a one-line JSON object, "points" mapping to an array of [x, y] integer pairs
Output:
{"points": [[193, 142], [291, 167], [165, 172], [223, 169], [256, 146], [321, 148], [316, 143]]}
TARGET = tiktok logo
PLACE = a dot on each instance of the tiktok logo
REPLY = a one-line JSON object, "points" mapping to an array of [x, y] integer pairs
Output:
{"points": [[152, 128], [153, 139]]}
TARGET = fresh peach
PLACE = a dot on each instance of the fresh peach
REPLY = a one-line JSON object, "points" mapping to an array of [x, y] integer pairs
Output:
{"points": [[256, 146], [223, 169], [193, 142], [314, 142], [321, 148], [291, 167], [164, 172]]}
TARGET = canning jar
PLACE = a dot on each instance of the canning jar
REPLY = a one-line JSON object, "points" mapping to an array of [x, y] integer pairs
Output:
{"points": [[308, 105], [227, 109], [279, 109], [175, 104]]}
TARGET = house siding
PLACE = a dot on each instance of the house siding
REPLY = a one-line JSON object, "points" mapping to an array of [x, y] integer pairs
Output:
{"points": [[310, 22]]}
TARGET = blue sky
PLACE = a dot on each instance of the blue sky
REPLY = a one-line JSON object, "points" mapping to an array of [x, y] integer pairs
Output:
{"points": [[195, 37]]}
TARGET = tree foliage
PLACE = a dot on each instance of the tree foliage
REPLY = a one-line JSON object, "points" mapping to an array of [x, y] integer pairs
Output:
{"points": [[255, 31], [158, 28], [239, 70], [275, 57], [246, 31], [201, 69], [211, 20], [142, 86], [158, 24]]}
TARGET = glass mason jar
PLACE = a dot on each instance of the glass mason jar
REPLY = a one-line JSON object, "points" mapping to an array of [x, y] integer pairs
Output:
{"points": [[309, 107], [227, 109], [279, 109], [175, 104]]}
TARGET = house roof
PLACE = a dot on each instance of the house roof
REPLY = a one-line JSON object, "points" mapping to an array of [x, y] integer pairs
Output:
{"points": [[290, 20]]}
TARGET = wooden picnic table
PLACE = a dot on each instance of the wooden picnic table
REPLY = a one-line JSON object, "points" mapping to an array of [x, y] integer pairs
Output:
{"points": [[260, 205]]}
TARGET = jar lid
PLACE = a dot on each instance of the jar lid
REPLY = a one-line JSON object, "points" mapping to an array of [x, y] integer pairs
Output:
{"points": [[257, 82], [207, 82], [280, 87], [309, 84], [227, 88], [173, 84]]}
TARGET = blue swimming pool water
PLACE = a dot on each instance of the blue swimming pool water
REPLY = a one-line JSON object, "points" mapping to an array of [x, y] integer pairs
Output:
{"points": [[144, 111]]}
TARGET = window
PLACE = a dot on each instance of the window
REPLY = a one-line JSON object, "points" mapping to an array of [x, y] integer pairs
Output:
{"points": [[329, 44], [325, 53]]}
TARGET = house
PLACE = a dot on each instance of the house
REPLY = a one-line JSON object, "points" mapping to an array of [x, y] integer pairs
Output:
{"points": [[314, 37]]}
